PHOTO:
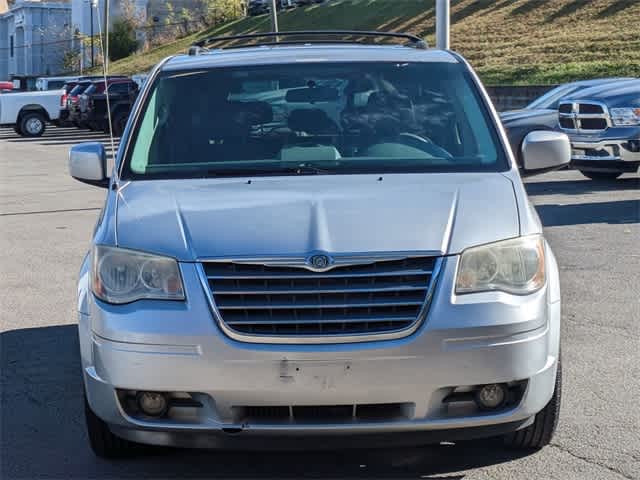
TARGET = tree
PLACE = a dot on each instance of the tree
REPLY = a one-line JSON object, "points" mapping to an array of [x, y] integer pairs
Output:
{"points": [[187, 19], [122, 39]]}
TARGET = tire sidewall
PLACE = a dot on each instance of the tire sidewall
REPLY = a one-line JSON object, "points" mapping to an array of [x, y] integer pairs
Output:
{"points": [[601, 176], [119, 124], [29, 121]]}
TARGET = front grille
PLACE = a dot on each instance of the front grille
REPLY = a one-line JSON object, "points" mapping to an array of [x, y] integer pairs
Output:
{"points": [[593, 124], [583, 117], [590, 108], [308, 414], [565, 108], [377, 297], [567, 123]]}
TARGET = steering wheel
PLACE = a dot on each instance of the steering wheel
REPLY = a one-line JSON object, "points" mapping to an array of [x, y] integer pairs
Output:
{"points": [[411, 138], [423, 143]]}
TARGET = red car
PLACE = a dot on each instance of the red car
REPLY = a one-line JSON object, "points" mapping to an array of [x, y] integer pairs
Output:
{"points": [[6, 87]]}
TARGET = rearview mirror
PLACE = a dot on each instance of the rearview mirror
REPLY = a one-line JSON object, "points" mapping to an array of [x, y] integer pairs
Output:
{"points": [[312, 95], [543, 151], [88, 164]]}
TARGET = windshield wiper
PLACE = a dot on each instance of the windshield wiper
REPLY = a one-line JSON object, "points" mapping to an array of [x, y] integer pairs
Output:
{"points": [[309, 168], [301, 169]]}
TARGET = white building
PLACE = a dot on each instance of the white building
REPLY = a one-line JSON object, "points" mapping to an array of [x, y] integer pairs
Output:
{"points": [[34, 36]]}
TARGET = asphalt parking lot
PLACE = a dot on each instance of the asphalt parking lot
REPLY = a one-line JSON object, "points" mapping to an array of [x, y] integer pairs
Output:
{"points": [[46, 219]]}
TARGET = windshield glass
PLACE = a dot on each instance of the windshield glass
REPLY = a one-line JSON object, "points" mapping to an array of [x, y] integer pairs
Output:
{"points": [[313, 119], [551, 99]]}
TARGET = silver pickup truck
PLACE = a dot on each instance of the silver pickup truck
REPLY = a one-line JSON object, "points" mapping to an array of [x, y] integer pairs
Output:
{"points": [[603, 124]]}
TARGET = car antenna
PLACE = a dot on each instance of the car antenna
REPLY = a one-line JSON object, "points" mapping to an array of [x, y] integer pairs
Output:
{"points": [[104, 45]]}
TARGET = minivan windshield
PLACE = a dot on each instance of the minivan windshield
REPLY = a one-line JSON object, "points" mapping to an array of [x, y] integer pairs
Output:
{"points": [[323, 118]]}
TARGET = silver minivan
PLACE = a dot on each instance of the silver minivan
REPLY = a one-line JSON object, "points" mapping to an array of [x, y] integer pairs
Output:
{"points": [[317, 245]]}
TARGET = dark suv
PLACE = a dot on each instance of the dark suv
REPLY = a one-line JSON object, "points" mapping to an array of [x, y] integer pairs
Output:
{"points": [[93, 104], [73, 98]]}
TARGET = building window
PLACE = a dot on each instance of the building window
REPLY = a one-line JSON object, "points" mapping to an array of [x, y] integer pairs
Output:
{"points": [[11, 46]]}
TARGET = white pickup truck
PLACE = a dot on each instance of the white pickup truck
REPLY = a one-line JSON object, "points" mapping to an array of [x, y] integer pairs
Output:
{"points": [[29, 112]]}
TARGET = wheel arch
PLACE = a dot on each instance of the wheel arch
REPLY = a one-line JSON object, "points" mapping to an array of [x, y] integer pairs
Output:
{"points": [[34, 107]]}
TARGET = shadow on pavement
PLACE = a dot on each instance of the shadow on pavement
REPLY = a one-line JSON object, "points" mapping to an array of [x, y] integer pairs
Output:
{"points": [[618, 212], [43, 433], [581, 186]]}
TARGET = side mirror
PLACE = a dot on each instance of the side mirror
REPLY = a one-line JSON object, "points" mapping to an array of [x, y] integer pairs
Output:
{"points": [[543, 151], [88, 164]]}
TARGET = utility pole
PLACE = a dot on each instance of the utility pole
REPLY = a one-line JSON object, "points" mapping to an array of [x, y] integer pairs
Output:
{"points": [[105, 32], [443, 24], [274, 16], [91, 5]]}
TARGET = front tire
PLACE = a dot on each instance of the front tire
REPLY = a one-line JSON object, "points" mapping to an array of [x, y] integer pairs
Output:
{"points": [[540, 433], [104, 443], [32, 124], [119, 123], [601, 175]]}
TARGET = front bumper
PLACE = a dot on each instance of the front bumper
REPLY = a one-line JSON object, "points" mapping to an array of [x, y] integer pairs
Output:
{"points": [[259, 441], [177, 347], [606, 155]]}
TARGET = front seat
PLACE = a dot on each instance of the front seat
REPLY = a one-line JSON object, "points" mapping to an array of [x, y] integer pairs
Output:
{"points": [[312, 122]]}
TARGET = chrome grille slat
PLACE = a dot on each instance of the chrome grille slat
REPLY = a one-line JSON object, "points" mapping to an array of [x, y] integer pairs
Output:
{"points": [[287, 276], [291, 321], [280, 306], [291, 300], [306, 291]]}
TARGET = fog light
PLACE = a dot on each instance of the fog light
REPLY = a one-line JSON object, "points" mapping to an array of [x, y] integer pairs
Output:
{"points": [[152, 403], [492, 396], [634, 145]]}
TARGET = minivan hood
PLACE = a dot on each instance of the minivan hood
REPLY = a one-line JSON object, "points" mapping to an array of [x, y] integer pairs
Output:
{"points": [[270, 216]]}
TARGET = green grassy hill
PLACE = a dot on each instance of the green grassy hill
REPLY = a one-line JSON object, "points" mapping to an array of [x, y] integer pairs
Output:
{"points": [[507, 41]]}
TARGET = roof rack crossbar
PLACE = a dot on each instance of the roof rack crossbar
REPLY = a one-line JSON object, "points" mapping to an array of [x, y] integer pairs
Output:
{"points": [[414, 40]]}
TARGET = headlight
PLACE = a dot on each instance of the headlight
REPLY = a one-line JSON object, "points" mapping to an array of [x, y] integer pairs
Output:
{"points": [[625, 116], [513, 266], [124, 276]]}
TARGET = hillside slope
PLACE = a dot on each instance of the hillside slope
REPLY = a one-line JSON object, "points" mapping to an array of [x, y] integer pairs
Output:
{"points": [[507, 41]]}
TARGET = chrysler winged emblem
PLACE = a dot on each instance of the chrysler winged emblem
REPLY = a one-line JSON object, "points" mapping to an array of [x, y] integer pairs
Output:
{"points": [[319, 262]]}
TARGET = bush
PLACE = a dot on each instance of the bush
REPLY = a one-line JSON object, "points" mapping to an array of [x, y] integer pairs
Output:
{"points": [[214, 12], [122, 39]]}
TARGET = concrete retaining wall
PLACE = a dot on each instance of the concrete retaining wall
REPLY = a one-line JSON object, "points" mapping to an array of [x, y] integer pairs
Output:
{"points": [[514, 97]]}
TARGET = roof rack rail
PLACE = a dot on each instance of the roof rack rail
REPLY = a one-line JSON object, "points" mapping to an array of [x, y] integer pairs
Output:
{"points": [[200, 46]]}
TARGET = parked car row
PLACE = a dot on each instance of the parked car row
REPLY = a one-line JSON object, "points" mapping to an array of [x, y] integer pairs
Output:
{"points": [[601, 118], [84, 103], [78, 101]]}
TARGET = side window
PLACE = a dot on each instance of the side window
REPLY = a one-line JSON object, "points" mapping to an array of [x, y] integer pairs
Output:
{"points": [[119, 88], [146, 132], [55, 85]]}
